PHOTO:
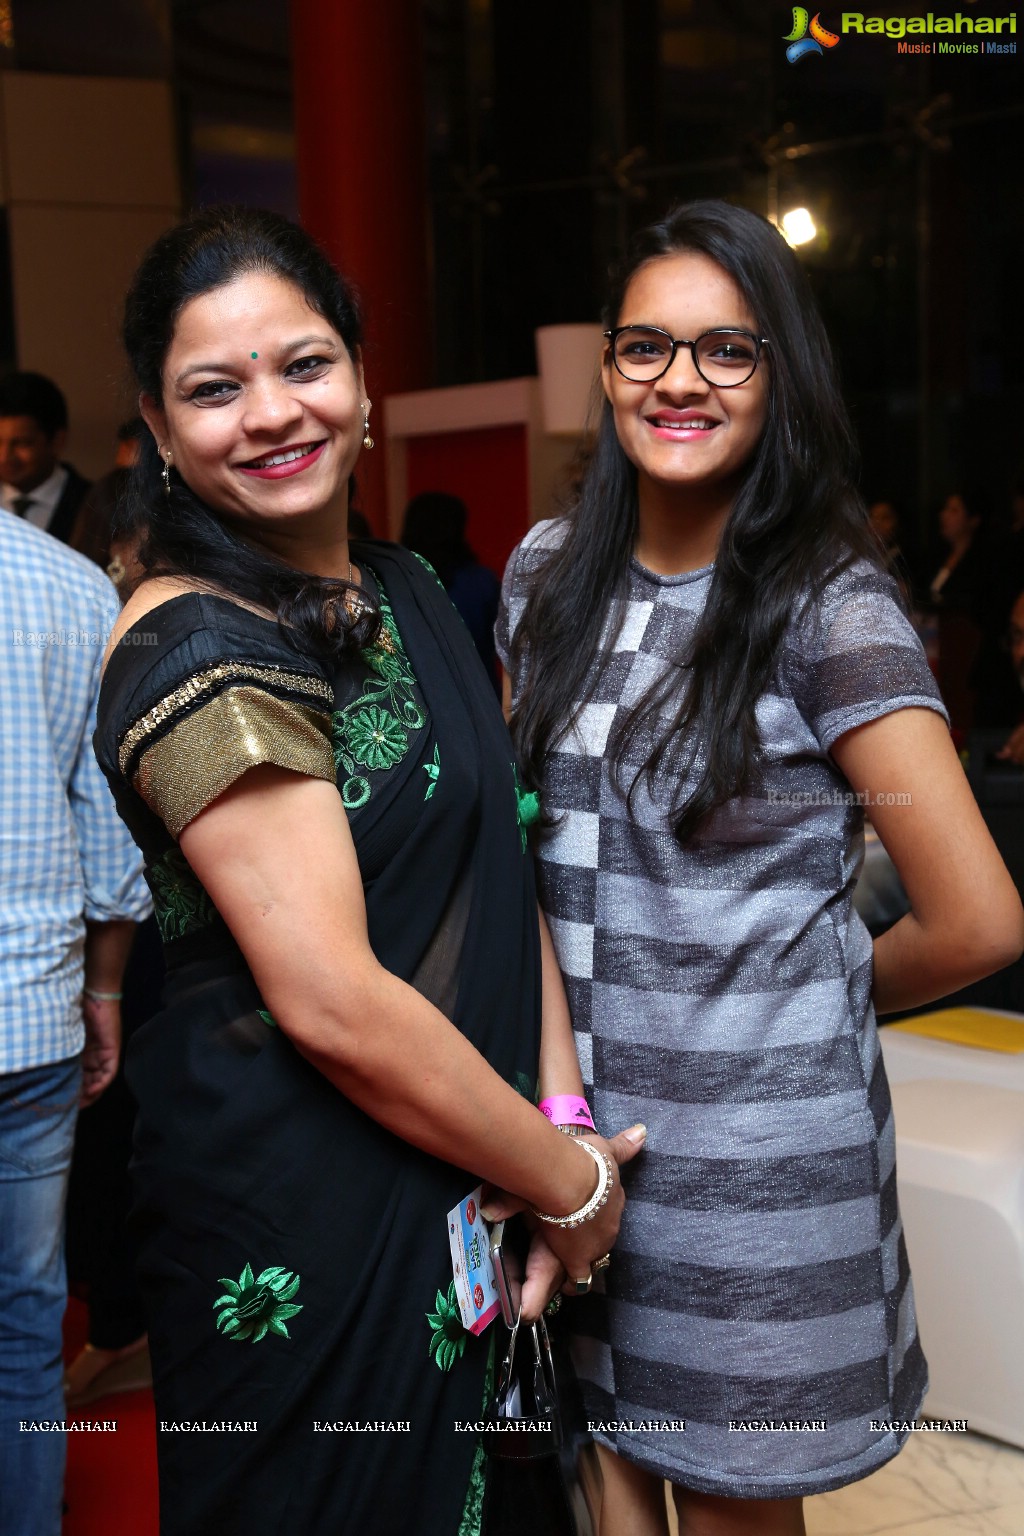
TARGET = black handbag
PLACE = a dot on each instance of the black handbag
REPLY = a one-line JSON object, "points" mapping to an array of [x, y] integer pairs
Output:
{"points": [[532, 1480]]}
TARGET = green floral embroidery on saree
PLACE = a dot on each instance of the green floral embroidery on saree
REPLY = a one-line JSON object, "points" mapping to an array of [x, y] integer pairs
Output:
{"points": [[433, 771], [526, 1085], [376, 738], [180, 904], [447, 1337], [527, 806], [473, 1509], [253, 1307], [372, 732]]}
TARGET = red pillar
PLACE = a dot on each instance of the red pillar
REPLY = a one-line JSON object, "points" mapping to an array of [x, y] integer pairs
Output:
{"points": [[361, 158]]}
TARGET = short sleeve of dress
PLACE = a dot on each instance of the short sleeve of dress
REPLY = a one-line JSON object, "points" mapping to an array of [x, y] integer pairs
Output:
{"points": [[216, 705], [524, 559], [854, 656]]}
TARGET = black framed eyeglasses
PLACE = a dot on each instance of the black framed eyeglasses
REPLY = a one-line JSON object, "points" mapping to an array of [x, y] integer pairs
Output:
{"points": [[724, 358]]}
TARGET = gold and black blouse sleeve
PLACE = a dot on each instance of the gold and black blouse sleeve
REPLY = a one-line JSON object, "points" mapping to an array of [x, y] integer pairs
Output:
{"points": [[200, 736]]}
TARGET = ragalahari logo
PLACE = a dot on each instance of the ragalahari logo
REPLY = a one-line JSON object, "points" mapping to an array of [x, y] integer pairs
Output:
{"points": [[800, 44]]}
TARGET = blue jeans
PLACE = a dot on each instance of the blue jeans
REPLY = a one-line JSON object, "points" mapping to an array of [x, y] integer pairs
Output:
{"points": [[38, 1109]]}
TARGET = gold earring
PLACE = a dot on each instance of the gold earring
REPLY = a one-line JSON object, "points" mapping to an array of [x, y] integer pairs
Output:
{"points": [[367, 439], [166, 473]]}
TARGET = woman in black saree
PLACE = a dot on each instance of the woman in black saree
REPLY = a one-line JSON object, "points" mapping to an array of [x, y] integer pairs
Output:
{"points": [[350, 1038]]}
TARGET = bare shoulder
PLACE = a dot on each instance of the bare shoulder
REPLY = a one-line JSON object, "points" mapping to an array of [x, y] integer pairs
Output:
{"points": [[147, 596]]}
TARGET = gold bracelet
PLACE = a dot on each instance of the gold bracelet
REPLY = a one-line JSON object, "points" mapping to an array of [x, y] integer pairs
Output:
{"points": [[605, 1182]]}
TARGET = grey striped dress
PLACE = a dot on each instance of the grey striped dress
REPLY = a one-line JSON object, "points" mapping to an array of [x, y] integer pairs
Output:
{"points": [[721, 994]]}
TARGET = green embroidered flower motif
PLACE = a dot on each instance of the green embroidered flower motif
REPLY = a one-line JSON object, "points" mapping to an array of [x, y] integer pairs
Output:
{"points": [[448, 1337], [386, 664], [526, 1086], [373, 730], [433, 772], [527, 806], [375, 738], [354, 793], [252, 1308], [180, 903]]}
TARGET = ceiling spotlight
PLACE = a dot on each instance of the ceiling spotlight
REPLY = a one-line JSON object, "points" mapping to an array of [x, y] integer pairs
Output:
{"points": [[798, 226]]}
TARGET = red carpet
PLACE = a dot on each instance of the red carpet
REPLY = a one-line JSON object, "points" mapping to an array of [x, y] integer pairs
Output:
{"points": [[111, 1479]]}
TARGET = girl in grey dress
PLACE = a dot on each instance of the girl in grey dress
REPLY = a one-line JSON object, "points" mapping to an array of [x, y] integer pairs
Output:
{"points": [[711, 676]]}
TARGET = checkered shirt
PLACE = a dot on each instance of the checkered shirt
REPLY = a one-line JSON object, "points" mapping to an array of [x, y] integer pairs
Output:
{"points": [[64, 853]]}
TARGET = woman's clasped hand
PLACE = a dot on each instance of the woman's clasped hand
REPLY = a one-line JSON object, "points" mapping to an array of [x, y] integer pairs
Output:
{"points": [[564, 1258]]}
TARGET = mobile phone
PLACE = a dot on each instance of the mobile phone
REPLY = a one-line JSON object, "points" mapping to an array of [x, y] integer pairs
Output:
{"points": [[508, 1255]]}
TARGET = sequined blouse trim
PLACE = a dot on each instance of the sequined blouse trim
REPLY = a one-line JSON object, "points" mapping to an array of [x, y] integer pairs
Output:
{"points": [[197, 759], [195, 688]]}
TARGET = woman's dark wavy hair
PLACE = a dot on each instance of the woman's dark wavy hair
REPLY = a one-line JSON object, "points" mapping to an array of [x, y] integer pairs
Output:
{"points": [[796, 520], [181, 534]]}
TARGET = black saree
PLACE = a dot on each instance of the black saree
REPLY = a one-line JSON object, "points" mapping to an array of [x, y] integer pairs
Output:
{"points": [[294, 1254]]}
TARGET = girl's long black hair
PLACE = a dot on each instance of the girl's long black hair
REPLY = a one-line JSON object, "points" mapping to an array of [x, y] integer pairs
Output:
{"points": [[182, 536], [796, 520]]}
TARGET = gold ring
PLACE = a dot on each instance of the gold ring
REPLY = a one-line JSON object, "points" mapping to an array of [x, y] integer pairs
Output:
{"points": [[601, 1263], [583, 1286], [553, 1305]]}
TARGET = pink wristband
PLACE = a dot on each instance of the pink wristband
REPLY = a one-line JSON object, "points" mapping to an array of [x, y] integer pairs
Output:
{"points": [[567, 1109]]}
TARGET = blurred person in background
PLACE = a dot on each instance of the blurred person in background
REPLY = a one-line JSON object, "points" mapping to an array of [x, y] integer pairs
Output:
{"points": [[97, 532], [956, 583], [72, 894], [101, 1252], [101, 1247], [34, 483], [885, 521], [1013, 749], [994, 679], [955, 594], [434, 526]]}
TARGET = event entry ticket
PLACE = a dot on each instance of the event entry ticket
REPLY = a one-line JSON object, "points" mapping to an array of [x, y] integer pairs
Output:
{"points": [[471, 1263]]}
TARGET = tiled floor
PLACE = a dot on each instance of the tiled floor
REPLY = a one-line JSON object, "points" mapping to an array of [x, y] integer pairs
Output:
{"points": [[939, 1485]]}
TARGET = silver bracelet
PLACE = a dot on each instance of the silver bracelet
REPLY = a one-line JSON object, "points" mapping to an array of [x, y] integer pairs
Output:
{"points": [[605, 1181], [102, 997]]}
